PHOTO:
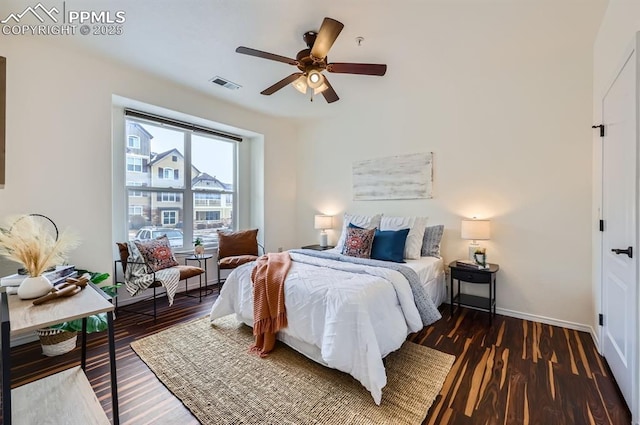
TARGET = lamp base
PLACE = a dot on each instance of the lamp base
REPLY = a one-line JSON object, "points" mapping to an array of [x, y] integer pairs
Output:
{"points": [[324, 240]]}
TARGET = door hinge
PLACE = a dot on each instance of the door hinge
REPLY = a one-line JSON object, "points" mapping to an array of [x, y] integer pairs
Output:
{"points": [[602, 225], [601, 127], [601, 319]]}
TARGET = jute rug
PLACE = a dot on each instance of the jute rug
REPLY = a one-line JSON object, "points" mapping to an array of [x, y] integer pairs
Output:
{"points": [[209, 369]]}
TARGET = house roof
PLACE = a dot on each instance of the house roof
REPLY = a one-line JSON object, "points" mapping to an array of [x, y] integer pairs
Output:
{"points": [[160, 156], [141, 128], [210, 182]]}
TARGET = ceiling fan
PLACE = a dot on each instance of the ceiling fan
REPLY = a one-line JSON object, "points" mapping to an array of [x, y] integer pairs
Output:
{"points": [[312, 61]]}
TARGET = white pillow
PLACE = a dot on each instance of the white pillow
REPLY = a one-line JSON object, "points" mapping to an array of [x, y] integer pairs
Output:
{"points": [[417, 225], [364, 221]]}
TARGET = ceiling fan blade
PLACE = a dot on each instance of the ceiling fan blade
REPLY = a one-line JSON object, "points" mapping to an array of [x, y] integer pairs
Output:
{"points": [[329, 93], [265, 55], [327, 35], [357, 68], [280, 84]]}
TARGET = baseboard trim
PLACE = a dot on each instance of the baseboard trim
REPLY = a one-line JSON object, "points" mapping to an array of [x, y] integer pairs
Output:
{"points": [[548, 321]]}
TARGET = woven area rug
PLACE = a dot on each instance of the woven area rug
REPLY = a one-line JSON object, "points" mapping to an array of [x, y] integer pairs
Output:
{"points": [[208, 368]]}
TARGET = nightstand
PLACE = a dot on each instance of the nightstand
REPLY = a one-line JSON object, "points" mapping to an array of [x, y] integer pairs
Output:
{"points": [[476, 276], [318, 247]]}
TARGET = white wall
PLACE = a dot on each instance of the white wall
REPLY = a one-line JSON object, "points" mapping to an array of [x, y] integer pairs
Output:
{"points": [[59, 142], [619, 26], [502, 95]]}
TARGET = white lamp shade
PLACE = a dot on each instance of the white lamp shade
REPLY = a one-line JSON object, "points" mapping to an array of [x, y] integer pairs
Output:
{"points": [[476, 229], [300, 84], [323, 222]]}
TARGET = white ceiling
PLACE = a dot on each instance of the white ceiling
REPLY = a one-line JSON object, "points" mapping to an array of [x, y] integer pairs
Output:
{"points": [[193, 40]]}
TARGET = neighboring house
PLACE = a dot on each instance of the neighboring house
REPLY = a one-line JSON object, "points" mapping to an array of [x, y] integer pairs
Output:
{"points": [[213, 203], [167, 170], [213, 207], [138, 152]]}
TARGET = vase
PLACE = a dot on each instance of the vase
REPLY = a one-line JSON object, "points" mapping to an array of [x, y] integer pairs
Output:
{"points": [[34, 287], [199, 250]]}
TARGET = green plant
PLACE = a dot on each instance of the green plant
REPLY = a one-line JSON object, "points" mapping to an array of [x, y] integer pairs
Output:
{"points": [[198, 242], [97, 322]]}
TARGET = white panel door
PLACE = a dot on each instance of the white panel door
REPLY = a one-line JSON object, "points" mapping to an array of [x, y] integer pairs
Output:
{"points": [[619, 211]]}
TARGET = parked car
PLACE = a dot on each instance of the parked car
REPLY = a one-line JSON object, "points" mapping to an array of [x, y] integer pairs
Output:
{"points": [[175, 236]]}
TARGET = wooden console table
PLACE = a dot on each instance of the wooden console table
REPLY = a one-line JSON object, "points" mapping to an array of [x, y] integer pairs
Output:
{"points": [[65, 397]]}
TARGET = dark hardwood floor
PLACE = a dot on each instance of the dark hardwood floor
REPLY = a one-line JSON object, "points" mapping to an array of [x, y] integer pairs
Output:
{"points": [[514, 372]]}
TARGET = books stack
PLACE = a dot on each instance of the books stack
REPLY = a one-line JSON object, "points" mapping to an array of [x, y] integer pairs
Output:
{"points": [[470, 265], [60, 274]]}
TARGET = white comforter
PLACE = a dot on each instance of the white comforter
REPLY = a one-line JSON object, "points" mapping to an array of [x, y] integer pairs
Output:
{"points": [[355, 314]]}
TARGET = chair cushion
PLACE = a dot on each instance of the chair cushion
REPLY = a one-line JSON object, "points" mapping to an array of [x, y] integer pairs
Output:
{"points": [[157, 253], [235, 261], [187, 272], [244, 242], [123, 248]]}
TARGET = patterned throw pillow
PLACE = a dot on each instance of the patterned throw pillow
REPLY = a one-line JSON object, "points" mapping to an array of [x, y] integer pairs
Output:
{"points": [[358, 242], [157, 253], [431, 241], [364, 221]]}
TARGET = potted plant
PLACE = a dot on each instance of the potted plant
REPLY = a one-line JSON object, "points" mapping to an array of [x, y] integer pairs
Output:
{"points": [[198, 246], [30, 241], [61, 338], [480, 256]]}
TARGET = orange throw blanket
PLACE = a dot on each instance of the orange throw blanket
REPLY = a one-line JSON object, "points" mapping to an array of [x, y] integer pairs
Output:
{"points": [[269, 314]]}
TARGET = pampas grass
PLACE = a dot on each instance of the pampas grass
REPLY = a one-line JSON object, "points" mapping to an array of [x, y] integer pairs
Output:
{"points": [[29, 241]]}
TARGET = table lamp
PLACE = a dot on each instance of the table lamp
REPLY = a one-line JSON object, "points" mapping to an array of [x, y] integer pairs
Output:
{"points": [[475, 230], [323, 222]]}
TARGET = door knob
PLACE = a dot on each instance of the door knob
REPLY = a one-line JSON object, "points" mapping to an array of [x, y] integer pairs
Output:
{"points": [[628, 251]]}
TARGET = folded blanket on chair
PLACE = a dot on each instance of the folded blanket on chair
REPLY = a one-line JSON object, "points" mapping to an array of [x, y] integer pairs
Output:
{"points": [[269, 313], [137, 278]]}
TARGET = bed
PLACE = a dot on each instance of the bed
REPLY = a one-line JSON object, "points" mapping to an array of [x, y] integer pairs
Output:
{"points": [[346, 313]]}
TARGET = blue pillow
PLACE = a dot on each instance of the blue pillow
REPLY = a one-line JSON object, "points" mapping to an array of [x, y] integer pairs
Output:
{"points": [[388, 245]]}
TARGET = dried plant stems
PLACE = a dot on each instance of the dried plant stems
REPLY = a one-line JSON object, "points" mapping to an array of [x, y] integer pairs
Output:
{"points": [[29, 241]]}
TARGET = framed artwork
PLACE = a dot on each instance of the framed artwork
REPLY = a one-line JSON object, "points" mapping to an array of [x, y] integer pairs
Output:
{"points": [[394, 177]]}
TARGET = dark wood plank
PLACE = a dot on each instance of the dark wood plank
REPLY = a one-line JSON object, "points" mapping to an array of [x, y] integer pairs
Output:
{"points": [[514, 372]]}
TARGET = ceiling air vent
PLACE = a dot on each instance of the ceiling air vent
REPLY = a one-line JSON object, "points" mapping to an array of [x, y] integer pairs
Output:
{"points": [[225, 83]]}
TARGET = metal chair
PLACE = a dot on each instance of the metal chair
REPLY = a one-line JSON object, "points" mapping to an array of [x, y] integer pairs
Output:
{"points": [[186, 272]]}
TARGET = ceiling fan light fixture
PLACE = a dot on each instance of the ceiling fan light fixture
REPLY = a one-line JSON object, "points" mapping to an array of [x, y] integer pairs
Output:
{"points": [[320, 89], [300, 84], [314, 79]]}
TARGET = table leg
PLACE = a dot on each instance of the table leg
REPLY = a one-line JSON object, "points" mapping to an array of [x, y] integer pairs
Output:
{"points": [[490, 303], [6, 361], [451, 287], [112, 361], [200, 284], [83, 357]]}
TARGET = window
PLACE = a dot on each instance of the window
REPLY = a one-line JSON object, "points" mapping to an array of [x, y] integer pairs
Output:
{"points": [[133, 142], [134, 164], [184, 185], [168, 197], [136, 193], [169, 218], [207, 215], [135, 210]]}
